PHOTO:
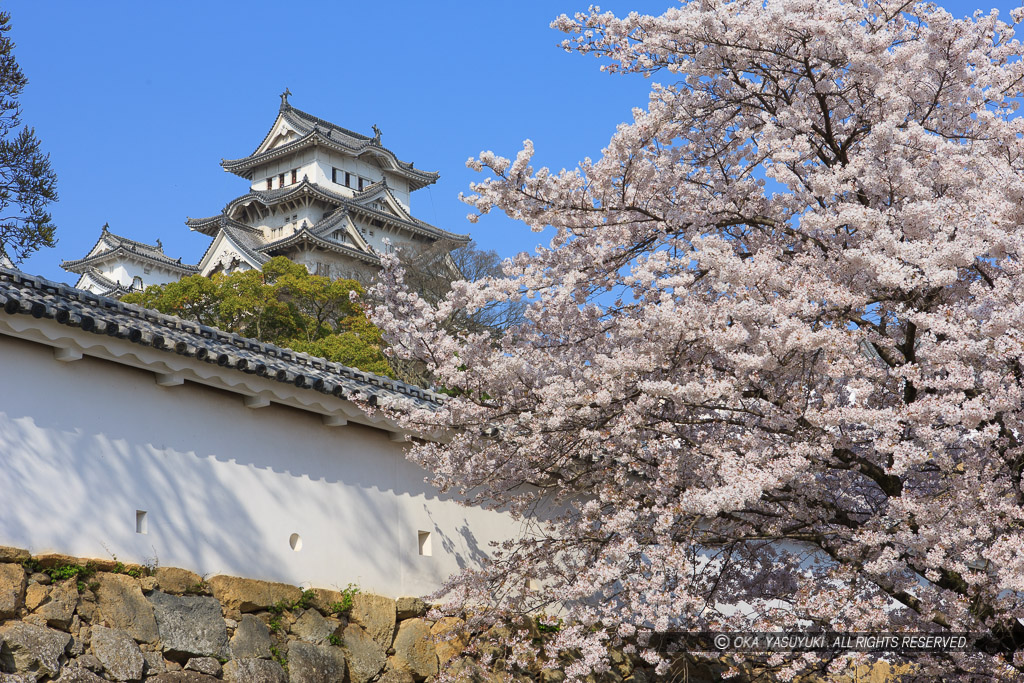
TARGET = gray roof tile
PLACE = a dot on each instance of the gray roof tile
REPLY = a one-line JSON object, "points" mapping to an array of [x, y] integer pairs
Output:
{"points": [[22, 294]]}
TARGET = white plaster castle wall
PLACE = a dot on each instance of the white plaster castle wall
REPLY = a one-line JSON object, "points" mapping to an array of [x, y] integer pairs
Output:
{"points": [[125, 272], [302, 161], [86, 444], [365, 167]]}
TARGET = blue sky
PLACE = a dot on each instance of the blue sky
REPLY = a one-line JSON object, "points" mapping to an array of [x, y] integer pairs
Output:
{"points": [[137, 102]]}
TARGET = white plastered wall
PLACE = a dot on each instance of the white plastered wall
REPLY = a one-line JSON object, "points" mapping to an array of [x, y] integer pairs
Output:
{"points": [[86, 444]]}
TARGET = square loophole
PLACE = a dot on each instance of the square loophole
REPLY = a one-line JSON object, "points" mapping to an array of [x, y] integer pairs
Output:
{"points": [[141, 522], [424, 543]]}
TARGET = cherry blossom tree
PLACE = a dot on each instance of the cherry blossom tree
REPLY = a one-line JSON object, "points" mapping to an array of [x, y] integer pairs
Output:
{"points": [[771, 372]]}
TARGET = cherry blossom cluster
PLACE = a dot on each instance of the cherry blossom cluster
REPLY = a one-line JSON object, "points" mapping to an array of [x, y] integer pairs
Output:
{"points": [[772, 369]]}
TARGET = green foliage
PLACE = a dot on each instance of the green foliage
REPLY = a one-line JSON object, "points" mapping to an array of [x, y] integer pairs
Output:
{"points": [[282, 304], [549, 628], [306, 600], [333, 639], [345, 604], [27, 183], [61, 572], [279, 657], [275, 624]]}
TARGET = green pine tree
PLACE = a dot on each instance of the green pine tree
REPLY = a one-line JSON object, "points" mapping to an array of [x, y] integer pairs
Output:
{"points": [[27, 183]]}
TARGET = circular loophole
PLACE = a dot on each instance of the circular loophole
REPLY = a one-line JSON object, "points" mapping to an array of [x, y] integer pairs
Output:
{"points": [[295, 541]]}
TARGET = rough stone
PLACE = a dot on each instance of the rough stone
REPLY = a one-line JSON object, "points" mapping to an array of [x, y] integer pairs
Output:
{"points": [[87, 608], [313, 628], [250, 595], [393, 675], [9, 554], [32, 649], [147, 583], [251, 639], [39, 577], [376, 614], [12, 589], [17, 678], [407, 608], [323, 598], [204, 665], [60, 608], [190, 624], [117, 651], [77, 674], [447, 643], [414, 650], [174, 580], [90, 662], [181, 677], [309, 663], [121, 605], [366, 657], [254, 671], [35, 595], [154, 662], [50, 560]]}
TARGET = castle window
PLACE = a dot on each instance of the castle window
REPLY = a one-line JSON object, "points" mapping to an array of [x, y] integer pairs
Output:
{"points": [[360, 183], [334, 176], [280, 180], [348, 179], [295, 175], [270, 183], [136, 282]]}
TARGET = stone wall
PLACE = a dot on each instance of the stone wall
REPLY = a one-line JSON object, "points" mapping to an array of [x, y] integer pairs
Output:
{"points": [[80, 621], [70, 620]]}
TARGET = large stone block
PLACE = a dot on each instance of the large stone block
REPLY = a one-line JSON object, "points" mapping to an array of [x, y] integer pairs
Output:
{"points": [[122, 605], [60, 608], [76, 674], [250, 595], [366, 657], [12, 590], [254, 671], [414, 650], [117, 651], [448, 641], [410, 607], [17, 555], [190, 624], [251, 639], [18, 678], [204, 665], [377, 615], [28, 648], [35, 595], [314, 628], [324, 598], [174, 580], [309, 663], [182, 677]]}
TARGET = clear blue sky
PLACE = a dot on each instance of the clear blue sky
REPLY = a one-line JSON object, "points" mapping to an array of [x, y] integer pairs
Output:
{"points": [[137, 102]]}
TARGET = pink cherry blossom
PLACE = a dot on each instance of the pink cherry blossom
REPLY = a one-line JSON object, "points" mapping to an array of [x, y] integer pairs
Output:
{"points": [[772, 369]]}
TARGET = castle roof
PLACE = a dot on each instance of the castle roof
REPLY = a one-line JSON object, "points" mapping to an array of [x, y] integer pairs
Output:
{"points": [[110, 247], [313, 131], [358, 203], [22, 294]]}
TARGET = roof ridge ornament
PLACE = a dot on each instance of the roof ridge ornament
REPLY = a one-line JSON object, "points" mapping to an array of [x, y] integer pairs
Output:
{"points": [[284, 99], [376, 135]]}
